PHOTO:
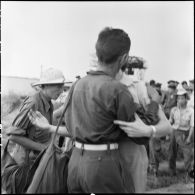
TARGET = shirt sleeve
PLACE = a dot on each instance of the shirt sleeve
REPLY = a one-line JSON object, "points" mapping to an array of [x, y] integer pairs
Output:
{"points": [[125, 105], [192, 119], [171, 118], [21, 122], [150, 115]]}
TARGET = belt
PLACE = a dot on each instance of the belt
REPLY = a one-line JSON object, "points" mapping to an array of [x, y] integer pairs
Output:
{"points": [[113, 146]]}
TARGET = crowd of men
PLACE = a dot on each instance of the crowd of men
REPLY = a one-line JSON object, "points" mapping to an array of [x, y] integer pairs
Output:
{"points": [[172, 88], [181, 136]]}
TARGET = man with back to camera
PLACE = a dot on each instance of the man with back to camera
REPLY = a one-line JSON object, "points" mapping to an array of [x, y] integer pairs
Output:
{"points": [[98, 99]]}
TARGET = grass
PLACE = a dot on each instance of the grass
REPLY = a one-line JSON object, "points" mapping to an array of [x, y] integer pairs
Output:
{"points": [[165, 183], [9, 103], [165, 180]]}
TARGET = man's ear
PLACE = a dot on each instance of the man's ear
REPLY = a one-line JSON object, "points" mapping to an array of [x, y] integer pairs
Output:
{"points": [[123, 59]]}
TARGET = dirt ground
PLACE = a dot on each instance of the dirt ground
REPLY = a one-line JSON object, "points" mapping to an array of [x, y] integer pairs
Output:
{"points": [[181, 187]]}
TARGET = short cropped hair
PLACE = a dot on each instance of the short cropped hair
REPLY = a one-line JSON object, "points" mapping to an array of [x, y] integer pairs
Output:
{"points": [[184, 82], [152, 82], [111, 44]]}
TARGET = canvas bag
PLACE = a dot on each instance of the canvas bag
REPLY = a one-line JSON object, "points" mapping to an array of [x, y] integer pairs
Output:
{"points": [[13, 175], [50, 169]]}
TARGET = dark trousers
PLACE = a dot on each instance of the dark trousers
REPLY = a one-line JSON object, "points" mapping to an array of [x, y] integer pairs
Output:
{"points": [[95, 172], [178, 139], [155, 152]]}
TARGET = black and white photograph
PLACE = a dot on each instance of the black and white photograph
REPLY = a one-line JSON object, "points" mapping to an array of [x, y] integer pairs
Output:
{"points": [[97, 97]]}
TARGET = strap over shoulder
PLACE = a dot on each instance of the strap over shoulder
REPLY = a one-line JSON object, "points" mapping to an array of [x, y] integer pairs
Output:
{"points": [[67, 101]]}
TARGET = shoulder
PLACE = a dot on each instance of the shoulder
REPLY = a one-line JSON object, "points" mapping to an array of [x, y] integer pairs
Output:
{"points": [[31, 101], [190, 109], [174, 109], [117, 86]]}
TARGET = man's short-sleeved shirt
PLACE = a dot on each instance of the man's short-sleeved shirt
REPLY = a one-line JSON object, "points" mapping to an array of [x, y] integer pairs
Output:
{"points": [[22, 125], [182, 120], [191, 101], [97, 101], [171, 100]]}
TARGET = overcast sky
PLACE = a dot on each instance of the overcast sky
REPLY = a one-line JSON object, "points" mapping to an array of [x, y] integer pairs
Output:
{"points": [[63, 35]]}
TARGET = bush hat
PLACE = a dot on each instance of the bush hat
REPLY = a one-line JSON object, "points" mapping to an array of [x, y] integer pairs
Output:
{"points": [[171, 82], [50, 76], [181, 92]]}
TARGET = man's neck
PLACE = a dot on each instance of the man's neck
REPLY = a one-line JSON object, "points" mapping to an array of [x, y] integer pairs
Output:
{"points": [[46, 96], [183, 107], [110, 69]]}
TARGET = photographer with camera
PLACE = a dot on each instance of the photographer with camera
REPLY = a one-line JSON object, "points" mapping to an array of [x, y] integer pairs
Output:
{"points": [[136, 153]]}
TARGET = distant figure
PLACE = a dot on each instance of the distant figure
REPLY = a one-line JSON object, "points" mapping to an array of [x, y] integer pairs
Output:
{"points": [[170, 98], [78, 77], [152, 83], [184, 85], [158, 88], [182, 120], [191, 96], [176, 84]]}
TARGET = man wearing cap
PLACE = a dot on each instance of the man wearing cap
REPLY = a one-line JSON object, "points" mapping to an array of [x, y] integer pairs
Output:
{"points": [[170, 98], [152, 83], [22, 131], [176, 84], [182, 120], [184, 85], [158, 88]]}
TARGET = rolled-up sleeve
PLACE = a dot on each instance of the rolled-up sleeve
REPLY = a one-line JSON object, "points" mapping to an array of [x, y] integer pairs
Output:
{"points": [[125, 105], [21, 123]]}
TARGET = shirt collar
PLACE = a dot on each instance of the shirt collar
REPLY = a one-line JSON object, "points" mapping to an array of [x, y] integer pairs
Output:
{"points": [[97, 72], [47, 104]]}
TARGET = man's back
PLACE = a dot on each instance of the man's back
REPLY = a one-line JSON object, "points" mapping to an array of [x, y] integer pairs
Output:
{"points": [[98, 100]]}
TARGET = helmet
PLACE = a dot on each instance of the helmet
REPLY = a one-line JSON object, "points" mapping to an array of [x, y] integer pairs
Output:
{"points": [[51, 76]]}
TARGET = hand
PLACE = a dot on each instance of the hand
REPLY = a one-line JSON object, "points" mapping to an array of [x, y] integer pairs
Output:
{"points": [[167, 138], [136, 128], [38, 120], [188, 140], [153, 94]]}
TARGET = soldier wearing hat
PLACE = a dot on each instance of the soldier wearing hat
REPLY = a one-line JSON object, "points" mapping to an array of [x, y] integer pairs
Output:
{"points": [[184, 85], [158, 88], [152, 83], [176, 83], [169, 100], [22, 131], [182, 120]]}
